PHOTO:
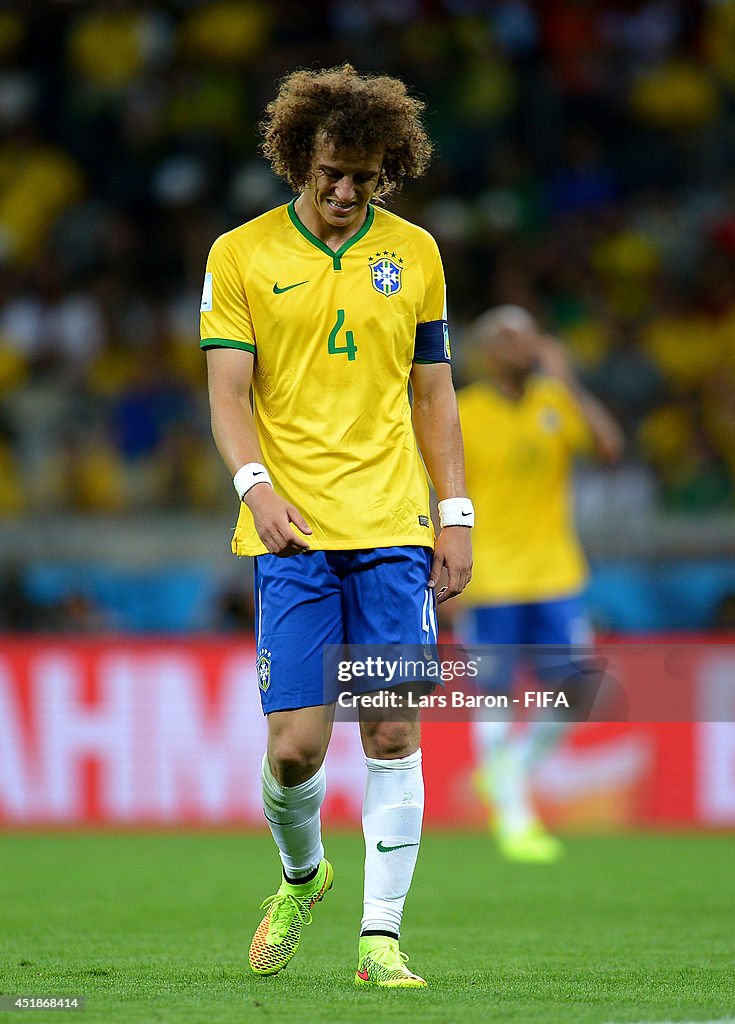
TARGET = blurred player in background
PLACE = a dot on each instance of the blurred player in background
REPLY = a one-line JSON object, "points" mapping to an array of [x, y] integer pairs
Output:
{"points": [[328, 307], [523, 423]]}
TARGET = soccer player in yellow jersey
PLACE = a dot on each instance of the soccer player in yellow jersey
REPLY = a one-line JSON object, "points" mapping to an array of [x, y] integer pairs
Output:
{"points": [[523, 422], [329, 308]]}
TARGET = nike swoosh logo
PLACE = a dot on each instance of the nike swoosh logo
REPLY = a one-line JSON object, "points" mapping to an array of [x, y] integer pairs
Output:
{"points": [[280, 291], [389, 849], [466, 513], [364, 975]]}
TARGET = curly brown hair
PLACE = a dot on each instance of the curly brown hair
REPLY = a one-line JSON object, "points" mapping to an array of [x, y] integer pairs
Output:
{"points": [[354, 112]]}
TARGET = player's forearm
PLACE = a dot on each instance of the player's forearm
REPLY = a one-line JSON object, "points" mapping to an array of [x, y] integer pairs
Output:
{"points": [[439, 435], [233, 431], [229, 374], [607, 436]]}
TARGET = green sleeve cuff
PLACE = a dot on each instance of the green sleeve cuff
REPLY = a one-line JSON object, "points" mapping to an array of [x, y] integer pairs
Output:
{"points": [[244, 346]]}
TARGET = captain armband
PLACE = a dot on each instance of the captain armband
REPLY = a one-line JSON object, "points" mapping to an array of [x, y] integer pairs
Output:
{"points": [[432, 343]]}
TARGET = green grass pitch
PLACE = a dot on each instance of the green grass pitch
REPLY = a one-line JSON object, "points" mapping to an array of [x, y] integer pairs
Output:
{"points": [[155, 927]]}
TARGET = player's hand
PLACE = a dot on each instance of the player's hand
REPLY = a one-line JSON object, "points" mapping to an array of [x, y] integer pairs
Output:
{"points": [[273, 516], [554, 359], [452, 555]]}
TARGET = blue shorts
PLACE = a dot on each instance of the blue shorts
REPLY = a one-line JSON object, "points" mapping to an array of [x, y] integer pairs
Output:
{"points": [[558, 625], [375, 596]]}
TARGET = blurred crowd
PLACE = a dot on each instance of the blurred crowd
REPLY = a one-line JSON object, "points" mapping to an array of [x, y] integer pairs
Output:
{"points": [[583, 170]]}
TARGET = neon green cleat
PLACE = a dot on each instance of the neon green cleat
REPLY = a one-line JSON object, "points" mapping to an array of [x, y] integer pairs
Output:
{"points": [[380, 962], [531, 845], [277, 936]]}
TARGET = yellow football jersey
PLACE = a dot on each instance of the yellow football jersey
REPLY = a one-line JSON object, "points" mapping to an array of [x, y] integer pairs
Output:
{"points": [[334, 338], [519, 457]]}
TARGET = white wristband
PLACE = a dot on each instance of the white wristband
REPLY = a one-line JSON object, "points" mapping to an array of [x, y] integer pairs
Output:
{"points": [[248, 476], [456, 512]]}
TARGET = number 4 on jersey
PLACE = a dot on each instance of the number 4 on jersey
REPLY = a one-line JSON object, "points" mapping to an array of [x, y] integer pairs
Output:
{"points": [[349, 348]]}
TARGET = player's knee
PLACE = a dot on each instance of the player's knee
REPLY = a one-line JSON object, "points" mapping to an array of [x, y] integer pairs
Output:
{"points": [[294, 762], [391, 740]]}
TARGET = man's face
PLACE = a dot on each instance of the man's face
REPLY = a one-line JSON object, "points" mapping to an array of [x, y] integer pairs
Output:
{"points": [[342, 184], [515, 351]]}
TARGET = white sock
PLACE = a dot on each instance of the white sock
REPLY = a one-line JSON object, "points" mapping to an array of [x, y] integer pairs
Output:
{"points": [[539, 739], [501, 751], [489, 739], [293, 814], [391, 823]]}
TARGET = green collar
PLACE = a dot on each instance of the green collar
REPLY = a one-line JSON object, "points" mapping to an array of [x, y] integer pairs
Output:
{"points": [[336, 257]]}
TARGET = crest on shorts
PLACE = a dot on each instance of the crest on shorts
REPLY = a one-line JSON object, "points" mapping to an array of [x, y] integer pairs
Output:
{"points": [[386, 272], [263, 668]]}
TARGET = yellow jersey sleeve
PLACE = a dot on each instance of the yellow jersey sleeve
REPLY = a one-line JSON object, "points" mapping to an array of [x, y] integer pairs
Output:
{"points": [[432, 331], [225, 311], [435, 299]]}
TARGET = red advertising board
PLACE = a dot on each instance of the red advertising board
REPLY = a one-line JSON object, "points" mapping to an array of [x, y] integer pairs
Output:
{"points": [[155, 732]]}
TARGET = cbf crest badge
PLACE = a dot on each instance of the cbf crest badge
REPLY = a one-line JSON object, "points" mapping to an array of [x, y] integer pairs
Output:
{"points": [[550, 421], [263, 668], [386, 272]]}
